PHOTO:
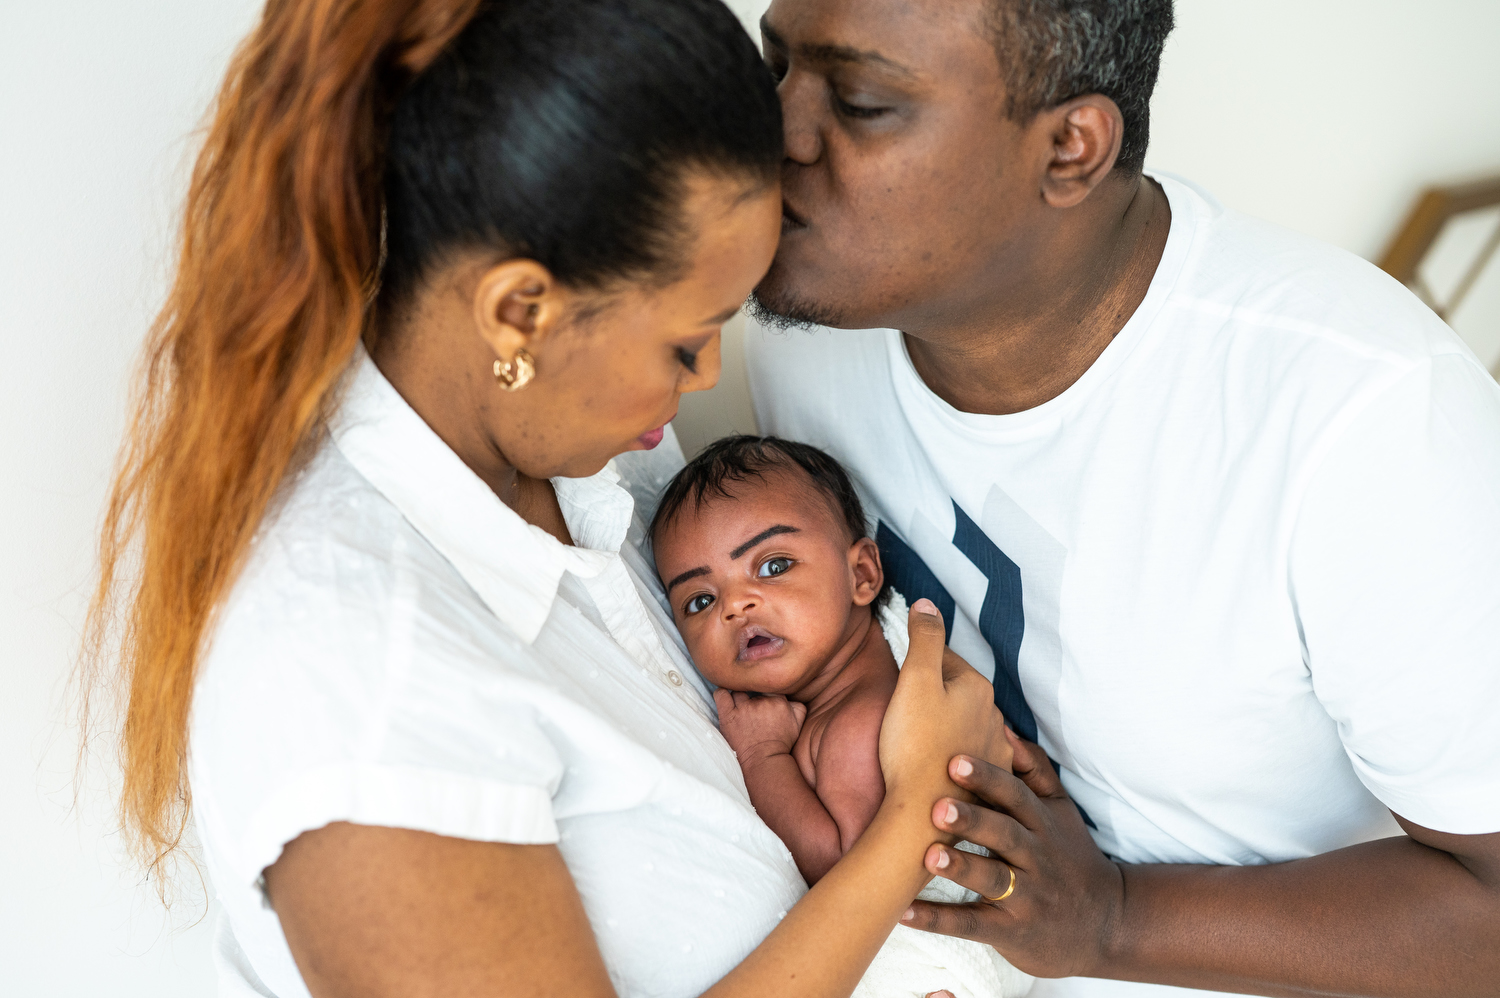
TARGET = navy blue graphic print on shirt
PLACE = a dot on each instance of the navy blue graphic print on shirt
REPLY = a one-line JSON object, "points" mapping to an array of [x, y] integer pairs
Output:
{"points": [[1002, 621]]}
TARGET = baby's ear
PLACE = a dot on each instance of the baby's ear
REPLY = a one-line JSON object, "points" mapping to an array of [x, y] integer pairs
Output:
{"points": [[864, 566]]}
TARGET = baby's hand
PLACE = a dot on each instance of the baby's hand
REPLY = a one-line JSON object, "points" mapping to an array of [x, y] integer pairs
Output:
{"points": [[757, 727]]}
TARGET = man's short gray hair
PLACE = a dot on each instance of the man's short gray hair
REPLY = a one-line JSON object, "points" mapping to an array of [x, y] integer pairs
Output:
{"points": [[1051, 51]]}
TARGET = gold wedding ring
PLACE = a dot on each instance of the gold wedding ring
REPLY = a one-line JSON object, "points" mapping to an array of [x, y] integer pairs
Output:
{"points": [[1008, 891]]}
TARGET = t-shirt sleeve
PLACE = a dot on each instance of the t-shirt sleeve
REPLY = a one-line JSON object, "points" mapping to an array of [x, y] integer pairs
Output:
{"points": [[1395, 573]]}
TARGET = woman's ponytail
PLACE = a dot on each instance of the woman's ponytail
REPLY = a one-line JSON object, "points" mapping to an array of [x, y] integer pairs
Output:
{"points": [[277, 264]]}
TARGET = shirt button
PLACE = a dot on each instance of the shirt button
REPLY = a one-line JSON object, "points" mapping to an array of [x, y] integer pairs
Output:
{"points": [[674, 677]]}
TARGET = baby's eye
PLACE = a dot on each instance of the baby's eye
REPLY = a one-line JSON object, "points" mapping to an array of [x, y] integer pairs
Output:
{"points": [[775, 566], [698, 604]]}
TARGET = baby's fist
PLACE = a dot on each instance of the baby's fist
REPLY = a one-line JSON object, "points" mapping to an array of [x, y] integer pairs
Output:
{"points": [[758, 726]]}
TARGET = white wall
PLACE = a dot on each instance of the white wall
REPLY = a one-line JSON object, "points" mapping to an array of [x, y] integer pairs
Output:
{"points": [[1326, 115], [97, 100]]}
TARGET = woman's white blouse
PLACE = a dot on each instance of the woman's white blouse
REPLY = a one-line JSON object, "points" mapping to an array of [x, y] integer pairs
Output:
{"points": [[403, 650]]}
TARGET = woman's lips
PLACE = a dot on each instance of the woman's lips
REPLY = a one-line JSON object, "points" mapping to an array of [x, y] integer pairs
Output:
{"points": [[757, 643], [651, 439]]}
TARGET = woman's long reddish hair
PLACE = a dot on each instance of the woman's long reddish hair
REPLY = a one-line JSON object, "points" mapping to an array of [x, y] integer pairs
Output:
{"points": [[278, 259]]}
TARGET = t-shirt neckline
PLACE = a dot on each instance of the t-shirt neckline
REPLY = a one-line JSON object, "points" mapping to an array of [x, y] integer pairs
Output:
{"points": [[912, 391]]}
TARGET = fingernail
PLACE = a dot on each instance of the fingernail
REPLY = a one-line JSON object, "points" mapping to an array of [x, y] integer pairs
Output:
{"points": [[1011, 731], [950, 815], [962, 767], [942, 859], [925, 606], [910, 914]]}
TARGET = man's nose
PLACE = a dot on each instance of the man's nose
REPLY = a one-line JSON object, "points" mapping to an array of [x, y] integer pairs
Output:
{"points": [[802, 107]]}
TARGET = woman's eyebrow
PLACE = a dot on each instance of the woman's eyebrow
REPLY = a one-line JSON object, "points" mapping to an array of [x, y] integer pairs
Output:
{"points": [[780, 528], [691, 573]]}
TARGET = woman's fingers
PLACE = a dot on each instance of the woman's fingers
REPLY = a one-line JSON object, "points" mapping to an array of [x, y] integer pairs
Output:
{"points": [[999, 833], [925, 650], [997, 788], [940, 994]]}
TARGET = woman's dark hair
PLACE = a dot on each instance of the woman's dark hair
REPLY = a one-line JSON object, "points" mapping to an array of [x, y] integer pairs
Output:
{"points": [[742, 458], [560, 130]]}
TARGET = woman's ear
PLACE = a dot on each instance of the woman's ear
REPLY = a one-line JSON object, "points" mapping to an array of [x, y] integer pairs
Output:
{"points": [[864, 565], [518, 304], [1083, 141]]}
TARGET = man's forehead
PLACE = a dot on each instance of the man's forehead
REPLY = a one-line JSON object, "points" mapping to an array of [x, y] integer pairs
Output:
{"points": [[903, 37]]}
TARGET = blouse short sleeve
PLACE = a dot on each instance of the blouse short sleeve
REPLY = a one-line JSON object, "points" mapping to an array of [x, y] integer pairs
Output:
{"points": [[1395, 570], [358, 682]]}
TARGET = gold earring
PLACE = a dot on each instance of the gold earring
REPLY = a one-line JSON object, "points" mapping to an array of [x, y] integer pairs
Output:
{"points": [[513, 375]]}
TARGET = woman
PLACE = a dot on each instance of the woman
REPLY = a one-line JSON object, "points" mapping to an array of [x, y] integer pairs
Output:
{"points": [[442, 261]]}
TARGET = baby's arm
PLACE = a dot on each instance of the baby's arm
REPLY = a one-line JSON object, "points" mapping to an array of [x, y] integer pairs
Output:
{"points": [[762, 731], [849, 781]]}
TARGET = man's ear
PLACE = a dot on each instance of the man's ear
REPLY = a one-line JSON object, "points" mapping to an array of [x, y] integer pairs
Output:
{"points": [[517, 304], [864, 564], [1084, 136]]}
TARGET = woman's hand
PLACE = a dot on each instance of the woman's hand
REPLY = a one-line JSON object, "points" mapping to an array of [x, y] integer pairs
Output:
{"points": [[941, 708], [1067, 898]]}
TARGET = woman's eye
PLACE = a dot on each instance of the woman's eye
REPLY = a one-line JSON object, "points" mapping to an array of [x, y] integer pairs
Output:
{"points": [[698, 604], [688, 359], [776, 566]]}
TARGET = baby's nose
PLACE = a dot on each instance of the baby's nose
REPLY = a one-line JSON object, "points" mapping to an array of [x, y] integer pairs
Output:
{"points": [[736, 606]]}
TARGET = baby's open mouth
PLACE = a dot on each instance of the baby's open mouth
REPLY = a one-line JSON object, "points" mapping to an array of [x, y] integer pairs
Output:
{"points": [[756, 643]]}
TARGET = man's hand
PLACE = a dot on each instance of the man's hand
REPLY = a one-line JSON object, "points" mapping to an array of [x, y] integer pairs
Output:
{"points": [[1068, 896], [759, 726], [1410, 916]]}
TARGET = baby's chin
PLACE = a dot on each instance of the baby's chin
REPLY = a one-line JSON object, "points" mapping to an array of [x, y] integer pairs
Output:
{"points": [[759, 677]]}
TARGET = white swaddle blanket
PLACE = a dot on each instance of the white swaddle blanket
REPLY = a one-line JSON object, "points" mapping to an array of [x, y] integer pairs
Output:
{"points": [[913, 963]]}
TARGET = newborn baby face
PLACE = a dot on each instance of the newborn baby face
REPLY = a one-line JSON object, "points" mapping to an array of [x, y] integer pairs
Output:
{"points": [[763, 585]]}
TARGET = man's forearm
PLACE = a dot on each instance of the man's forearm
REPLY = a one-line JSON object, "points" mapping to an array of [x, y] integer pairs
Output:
{"points": [[793, 811], [1392, 917]]}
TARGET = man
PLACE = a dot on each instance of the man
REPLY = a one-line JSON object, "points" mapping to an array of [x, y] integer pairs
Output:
{"points": [[1216, 505]]}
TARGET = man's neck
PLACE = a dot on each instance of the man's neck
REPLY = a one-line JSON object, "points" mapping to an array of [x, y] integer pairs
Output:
{"points": [[863, 658], [1020, 349]]}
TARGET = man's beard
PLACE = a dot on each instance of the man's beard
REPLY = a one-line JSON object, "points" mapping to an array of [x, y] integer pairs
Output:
{"points": [[790, 313]]}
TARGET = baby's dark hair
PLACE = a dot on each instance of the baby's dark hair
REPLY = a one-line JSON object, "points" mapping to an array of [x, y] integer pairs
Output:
{"points": [[742, 458]]}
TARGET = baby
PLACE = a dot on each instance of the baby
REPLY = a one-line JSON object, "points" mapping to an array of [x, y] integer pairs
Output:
{"points": [[777, 589]]}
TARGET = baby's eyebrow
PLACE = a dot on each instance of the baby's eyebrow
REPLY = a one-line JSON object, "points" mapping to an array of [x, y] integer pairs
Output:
{"points": [[780, 528], [691, 573]]}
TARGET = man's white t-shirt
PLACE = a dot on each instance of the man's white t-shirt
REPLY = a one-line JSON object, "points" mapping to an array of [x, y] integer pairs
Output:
{"points": [[1241, 580]]}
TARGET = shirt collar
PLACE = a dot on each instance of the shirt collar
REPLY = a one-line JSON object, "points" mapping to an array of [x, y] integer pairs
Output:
{"points": [[514, 566]]}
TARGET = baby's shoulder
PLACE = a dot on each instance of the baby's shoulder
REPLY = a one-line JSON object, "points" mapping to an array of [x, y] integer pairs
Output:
{"points": [[848, 735]]}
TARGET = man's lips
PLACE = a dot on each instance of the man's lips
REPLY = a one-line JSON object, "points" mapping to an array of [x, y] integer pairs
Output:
{"points": [[757, 643], [790, 218]]}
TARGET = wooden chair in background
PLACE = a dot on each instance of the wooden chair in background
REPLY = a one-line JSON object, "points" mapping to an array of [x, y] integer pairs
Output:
{"points": [[1437, 206]]}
